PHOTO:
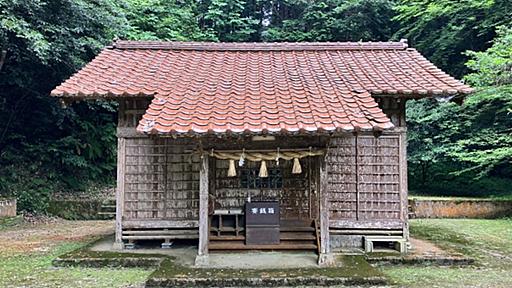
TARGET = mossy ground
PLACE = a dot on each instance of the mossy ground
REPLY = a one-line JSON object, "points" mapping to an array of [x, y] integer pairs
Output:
{"points": [[487, 241], [28, 251], [354, 269], [36, 270], [351, 267]]}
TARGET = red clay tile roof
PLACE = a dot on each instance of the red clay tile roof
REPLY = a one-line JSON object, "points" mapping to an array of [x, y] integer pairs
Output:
{"points": [[259, 87]]}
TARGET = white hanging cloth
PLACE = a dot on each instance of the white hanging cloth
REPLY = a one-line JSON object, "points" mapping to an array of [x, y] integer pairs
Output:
{"points": [[296, 166], [241, 160], [263, 169], [231, 170]]}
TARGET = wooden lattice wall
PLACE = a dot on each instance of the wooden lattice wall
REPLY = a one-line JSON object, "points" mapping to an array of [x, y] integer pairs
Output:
{"points": [[297, 199], [159, 177], [364, 182], [161, 180]]}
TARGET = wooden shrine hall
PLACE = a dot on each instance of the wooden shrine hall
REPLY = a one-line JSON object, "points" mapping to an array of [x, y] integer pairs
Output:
{"points": [[261, 146]]}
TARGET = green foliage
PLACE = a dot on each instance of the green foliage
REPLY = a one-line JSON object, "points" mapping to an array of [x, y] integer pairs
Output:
{"points": [[456, 148], [331, 20], [225, 19], [493, 66], [164, 20], [443, 29], [43, 146], [33, 194], [467, 150]]}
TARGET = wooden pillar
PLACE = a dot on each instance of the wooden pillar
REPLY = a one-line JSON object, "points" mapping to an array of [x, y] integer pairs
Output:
{"points": [[325, 258], [404, 216], [202, 249], [121, 166]]}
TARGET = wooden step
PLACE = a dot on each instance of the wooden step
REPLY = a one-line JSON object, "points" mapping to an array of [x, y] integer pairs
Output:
{"points": [[296, 229], [107, 213], [283, 236], [296, 223], [284, 245], [227, 238], [296, 236], [158, 237], [162, 232]]}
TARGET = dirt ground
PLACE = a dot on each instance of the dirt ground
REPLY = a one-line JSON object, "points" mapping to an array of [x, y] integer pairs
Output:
{"points": [[43, 235]]}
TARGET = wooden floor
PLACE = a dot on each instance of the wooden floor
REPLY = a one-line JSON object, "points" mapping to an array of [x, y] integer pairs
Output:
{"points": [[294, 235]]}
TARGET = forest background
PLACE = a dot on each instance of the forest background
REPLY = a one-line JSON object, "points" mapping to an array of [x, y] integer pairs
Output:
{"points": [[454, 149]]}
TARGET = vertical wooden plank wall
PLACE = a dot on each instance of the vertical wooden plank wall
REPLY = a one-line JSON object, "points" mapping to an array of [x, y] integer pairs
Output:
{"points": [[378, 177], [364, 182], [342, 180]]}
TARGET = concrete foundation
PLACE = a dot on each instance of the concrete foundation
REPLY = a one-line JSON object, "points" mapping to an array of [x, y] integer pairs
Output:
{"points": [[7, 208]]}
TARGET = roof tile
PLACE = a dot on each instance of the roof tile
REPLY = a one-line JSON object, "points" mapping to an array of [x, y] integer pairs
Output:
{"points": [[274, 87]]}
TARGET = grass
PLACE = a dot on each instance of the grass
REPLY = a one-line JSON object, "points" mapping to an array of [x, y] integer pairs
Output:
{"points": [[454, 198], [488, 241], [35, 269], [8, 222]]}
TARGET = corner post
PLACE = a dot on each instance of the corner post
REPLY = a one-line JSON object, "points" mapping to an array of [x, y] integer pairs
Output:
{"points": [[202, 249], [325, 258], [121, 159], [403, 183]]}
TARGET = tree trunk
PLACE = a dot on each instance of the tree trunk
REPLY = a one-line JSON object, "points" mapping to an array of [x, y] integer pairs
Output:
{"points": [[2, 58]]}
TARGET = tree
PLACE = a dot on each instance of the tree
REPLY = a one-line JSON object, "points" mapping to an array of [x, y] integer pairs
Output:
{"points": [[227, 21], [331, 20], [45, 42], [165, 20], [492, 67], [467, 149], [443, 29]]}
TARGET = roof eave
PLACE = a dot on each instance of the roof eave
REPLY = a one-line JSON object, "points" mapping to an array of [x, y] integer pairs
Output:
{"points": [[418, 94], [93, 96], [283, 132]]}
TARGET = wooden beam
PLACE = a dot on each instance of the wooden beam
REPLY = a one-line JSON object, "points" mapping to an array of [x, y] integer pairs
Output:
{"points": [[158, 237], [356, 163], [403, 184], [134, 224], [129, 132], [202, 249], [324, 209], [367, 224], [121, 165], [325, 258]]}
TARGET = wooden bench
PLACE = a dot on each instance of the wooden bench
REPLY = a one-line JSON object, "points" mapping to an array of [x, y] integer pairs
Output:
{"points": [[400, 242]]}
